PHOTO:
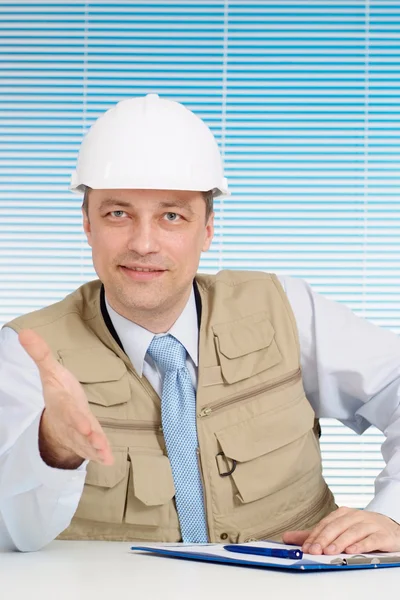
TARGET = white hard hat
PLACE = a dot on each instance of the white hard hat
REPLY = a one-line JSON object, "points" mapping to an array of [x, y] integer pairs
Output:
{"points": [[149, 143]]}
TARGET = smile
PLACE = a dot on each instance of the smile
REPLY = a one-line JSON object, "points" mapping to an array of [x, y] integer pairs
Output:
{"points": [[140, 270], [142, 273]]}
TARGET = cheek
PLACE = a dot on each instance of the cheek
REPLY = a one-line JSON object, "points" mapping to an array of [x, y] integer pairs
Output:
{"points": [[175, 246], [106, 245], [187, 248]]}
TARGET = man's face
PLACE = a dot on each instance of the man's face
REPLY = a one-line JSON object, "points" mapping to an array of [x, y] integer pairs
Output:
{"points": [[146, 246]]}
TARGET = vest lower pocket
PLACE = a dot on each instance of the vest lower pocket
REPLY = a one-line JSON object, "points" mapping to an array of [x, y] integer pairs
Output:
{"points": [[267, 453], [137, 489], [105, 490], [151, 490]]}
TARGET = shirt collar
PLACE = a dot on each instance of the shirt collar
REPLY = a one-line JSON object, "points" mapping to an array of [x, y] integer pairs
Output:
{"points": [[136, 339]]}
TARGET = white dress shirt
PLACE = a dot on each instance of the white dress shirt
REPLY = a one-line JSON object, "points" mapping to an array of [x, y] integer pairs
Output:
{"points": [[351, 372], [135, 341]]}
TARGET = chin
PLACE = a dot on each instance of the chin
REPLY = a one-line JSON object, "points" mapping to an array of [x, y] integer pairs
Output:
{"points": [[137, 302]]}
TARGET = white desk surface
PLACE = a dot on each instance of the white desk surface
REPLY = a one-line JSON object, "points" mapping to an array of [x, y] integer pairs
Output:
{"points": [[109, 571]]}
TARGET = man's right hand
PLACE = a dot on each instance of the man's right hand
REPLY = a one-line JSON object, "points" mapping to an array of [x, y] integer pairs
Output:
{"points": [[69, 432]]}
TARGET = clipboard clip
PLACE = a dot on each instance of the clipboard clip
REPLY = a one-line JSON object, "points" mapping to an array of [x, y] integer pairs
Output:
{"points": [[362, 559]]}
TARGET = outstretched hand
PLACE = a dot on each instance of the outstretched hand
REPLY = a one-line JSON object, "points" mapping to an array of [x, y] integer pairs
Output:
{"points": [[69, 432]]}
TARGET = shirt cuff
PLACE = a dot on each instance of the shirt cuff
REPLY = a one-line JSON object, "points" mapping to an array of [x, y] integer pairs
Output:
{"points": [[48, 476], [386, 501]]}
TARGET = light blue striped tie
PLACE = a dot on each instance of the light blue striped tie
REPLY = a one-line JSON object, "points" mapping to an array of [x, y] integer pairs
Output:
{"points": [[178, 417]]}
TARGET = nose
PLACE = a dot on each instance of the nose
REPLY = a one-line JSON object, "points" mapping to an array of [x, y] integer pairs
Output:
{"points": [[143, 239]]}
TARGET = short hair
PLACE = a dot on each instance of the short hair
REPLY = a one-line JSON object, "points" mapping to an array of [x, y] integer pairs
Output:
{"points": [[208, 198]]}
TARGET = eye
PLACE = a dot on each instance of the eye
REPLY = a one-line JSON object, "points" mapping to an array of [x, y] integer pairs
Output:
{"points": [[171, 216], [117, 213]]}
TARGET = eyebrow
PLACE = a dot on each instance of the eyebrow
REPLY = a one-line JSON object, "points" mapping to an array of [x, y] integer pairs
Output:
{"points": [[112, 202], [178, 203], [108, 202]]}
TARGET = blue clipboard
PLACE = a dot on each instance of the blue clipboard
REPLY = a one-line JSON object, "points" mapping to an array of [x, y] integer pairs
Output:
{"points": [[215, 553]]}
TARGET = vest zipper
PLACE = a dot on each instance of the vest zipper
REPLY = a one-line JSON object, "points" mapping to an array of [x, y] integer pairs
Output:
{"points": [[293, 523], [255, 391], [131, 425]]}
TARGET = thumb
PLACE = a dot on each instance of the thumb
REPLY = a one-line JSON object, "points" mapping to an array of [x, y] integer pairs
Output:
{"points": [[295, 537], [38, 350]]}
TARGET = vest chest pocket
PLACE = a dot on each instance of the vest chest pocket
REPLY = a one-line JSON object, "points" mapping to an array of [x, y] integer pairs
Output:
{"points": [[151, 490], [246, 347], [104, 378], [105, 490], [269, 452]]}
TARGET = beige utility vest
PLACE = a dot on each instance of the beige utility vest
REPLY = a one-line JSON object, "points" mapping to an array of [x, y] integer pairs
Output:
{"points": [[259, 453]]}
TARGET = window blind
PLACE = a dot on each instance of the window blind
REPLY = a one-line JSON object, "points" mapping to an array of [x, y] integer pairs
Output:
{"points": [[303, 98]]}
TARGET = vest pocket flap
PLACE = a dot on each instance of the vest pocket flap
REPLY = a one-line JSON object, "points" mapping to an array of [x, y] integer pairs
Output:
{"points": [[270, 452], [246, 347], [108, 476], [152, 478], [265, 433], [103, 375], [93, 365], [244, 336]]}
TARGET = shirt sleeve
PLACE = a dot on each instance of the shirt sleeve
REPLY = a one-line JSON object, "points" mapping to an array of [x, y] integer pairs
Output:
{"points": [[37, 502], [351, 372]]}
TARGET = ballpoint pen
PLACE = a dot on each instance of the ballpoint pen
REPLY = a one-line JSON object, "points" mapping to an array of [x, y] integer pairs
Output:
{"points": [[294, 554]]}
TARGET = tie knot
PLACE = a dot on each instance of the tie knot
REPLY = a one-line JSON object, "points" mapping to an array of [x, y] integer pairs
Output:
{"points": [[167, 352]]}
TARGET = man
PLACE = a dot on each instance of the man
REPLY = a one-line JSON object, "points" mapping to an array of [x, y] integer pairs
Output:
{"points": [[159, 404]]}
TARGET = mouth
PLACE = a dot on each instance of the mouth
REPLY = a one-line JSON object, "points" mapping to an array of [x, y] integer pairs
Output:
{"points": [[142, 273]]}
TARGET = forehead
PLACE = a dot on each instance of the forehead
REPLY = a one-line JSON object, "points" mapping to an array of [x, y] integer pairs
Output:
{"points": [[156, 197]]}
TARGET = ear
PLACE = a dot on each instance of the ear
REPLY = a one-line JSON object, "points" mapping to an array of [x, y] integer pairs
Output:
{"points": [[86, 226], [209, 233]]}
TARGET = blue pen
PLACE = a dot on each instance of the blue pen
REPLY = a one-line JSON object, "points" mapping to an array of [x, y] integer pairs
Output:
{"points": [[260, 551]]}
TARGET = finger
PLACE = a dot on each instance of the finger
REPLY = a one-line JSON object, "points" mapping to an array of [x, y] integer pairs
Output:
{"points": [[82, 446], [38, 350], [332, 531], [85, 434], [89, 427], [95, 447], [316, 531], [80, 422], [376, 542], [100, 443], [313, 535], [295, 537], [350, 537]]}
